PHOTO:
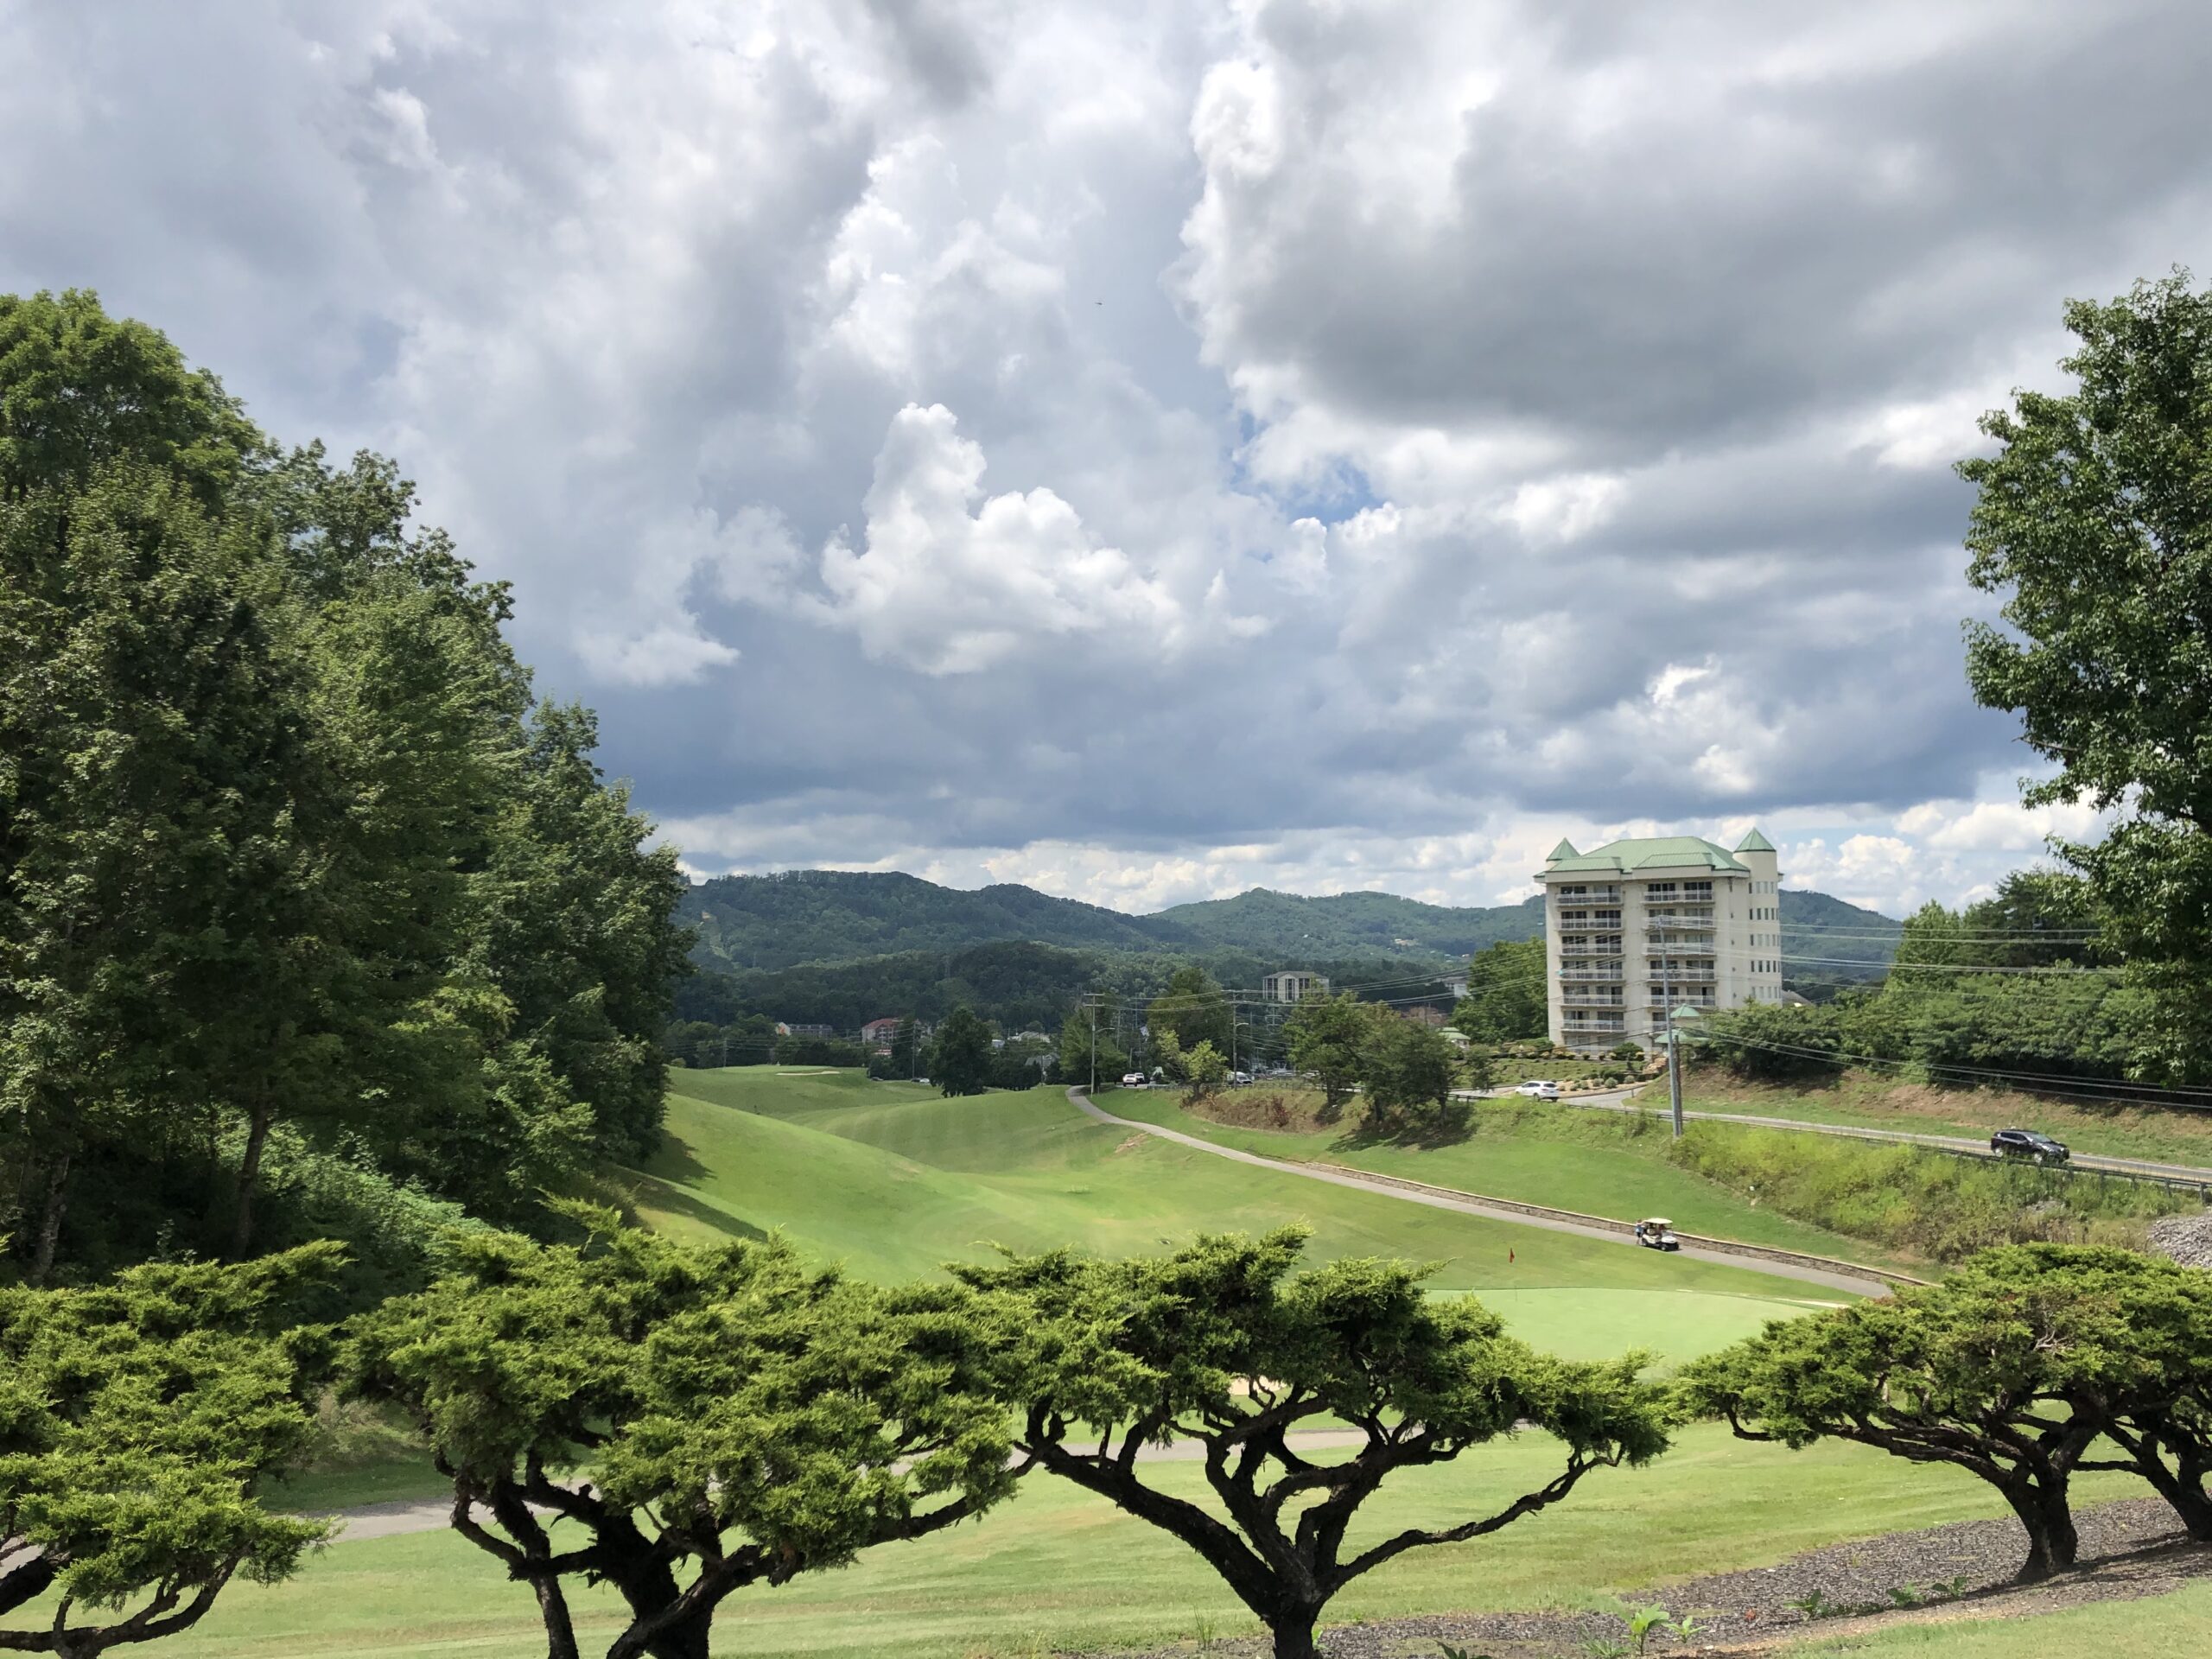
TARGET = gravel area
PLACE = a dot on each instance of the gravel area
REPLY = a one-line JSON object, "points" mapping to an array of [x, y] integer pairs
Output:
{"points": [[2188, 1239], [2128, 1549]]}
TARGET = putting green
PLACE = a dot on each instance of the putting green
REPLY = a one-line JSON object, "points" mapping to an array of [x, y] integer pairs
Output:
{"points": [[894, 1181]]}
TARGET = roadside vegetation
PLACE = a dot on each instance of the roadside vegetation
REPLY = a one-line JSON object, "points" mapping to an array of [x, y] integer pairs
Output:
{"points": [[1828, 1195]]}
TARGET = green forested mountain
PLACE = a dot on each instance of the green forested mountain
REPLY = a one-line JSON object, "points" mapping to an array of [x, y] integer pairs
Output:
{"points": [[769, 922], [839, 949], [795, 916], [1352, 923], [1842, 941]]}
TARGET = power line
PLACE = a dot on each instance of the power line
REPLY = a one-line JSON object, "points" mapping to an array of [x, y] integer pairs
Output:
{"points": [[2049, 1082], [1943, 967]]}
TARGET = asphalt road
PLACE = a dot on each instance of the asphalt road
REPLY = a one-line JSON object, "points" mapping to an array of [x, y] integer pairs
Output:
{"points": [[1469, 1206], [1976, 1146]]}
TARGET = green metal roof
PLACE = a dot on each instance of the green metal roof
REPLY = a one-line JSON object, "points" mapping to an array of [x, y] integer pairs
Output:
{"points": [[1564, 849], [1754, 842], [1659, 852]]}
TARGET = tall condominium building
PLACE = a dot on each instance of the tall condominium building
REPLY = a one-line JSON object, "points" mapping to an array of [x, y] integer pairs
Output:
{"points": [[1638, 925]]}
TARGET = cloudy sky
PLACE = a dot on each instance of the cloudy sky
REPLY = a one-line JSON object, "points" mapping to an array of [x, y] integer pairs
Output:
{"points": [[1146, 450]]}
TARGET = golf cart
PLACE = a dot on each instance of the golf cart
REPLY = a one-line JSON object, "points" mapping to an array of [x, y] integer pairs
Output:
{"points": [[1657, 1233]]}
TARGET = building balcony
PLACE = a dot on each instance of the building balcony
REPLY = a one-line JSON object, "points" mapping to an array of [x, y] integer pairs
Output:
{"points": [[1600, 924], [1660, 1004], [1591, 1000], [1659, 976], [1613, 974], [1583, 1031], [1612, 896], [1688, 923], [1679, 945]]}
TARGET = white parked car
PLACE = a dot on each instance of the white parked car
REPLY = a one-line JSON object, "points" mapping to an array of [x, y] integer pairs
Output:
{"points": [[1539, 1088], [1135, 1080], [1240, 1076]]}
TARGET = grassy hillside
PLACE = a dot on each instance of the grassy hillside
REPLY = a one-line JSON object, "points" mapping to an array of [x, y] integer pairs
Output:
{"points": [[1056, 1571], [894, 1181]]}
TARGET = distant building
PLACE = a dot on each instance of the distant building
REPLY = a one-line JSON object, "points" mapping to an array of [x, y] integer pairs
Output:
{"points": [[879, 1033], [784, 1029], [1638, 925], [1293, 985]]}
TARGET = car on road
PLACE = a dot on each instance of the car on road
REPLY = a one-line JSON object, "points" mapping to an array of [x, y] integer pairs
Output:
{"points": [[1539, 1088], [1657, 1233], [2028, 1143], [1135, 1080], [1240, 1076]]}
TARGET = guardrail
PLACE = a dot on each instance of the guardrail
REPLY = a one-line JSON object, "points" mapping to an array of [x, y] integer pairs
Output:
{"points": [[1627, 1229]]}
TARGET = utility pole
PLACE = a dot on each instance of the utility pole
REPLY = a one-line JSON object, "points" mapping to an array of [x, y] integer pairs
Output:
{"points": [[1093, 1093]]}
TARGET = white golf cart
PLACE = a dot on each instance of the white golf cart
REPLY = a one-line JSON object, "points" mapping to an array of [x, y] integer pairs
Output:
{"points": [[1657, 1233]]}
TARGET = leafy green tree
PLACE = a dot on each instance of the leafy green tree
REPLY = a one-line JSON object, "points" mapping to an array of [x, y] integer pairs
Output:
{"points": [[1328, 1037], [2010, 1370], [960, 1059], [285, 843], [137, 1420], [1220, 1344], [1194, 1008], [1771, 1042], [744, 1419], [1407, 1069], [1205, 1072], [80, 391], [1505, 1000], [2038, 918], [1088, 1047], [2094, 521]]}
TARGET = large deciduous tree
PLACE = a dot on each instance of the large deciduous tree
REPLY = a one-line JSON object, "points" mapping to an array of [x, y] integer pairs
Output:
{"points": [[682, 1423], [1328, 1037], [1407, 1069], [2094, 521], [1194, 1008], [960, 1058], [1505, 1000], [138, 1420], [1223, 1347], [285, 841]]}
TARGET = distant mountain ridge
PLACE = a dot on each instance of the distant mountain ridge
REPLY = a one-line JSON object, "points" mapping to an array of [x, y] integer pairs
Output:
{"points": [[832, 916]]}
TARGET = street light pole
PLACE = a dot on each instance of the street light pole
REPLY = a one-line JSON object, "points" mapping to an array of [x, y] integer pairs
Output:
{"points": [[1093, 1093]]}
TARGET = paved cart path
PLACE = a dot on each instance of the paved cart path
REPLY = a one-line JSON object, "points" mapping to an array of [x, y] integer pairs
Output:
{"points": [[1828, 1279]]}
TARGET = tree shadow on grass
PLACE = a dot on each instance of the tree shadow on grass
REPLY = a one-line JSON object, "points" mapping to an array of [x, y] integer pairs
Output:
{"points": [[660, 1193], [1454, 1125]]}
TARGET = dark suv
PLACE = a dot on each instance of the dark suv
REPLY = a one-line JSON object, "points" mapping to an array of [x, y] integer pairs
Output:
{"points": [[2026, 1143]]}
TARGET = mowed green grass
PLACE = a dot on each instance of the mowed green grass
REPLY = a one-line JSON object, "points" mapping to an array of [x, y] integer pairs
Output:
{"points": [[1055, 1570], [2176, 1626], [893, 1181], [1611, 1178]]}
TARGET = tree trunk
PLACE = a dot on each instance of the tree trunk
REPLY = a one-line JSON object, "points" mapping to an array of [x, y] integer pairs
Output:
{"points": [[1293, 1628], [2052, 1542], [257, 1138], [49, 1221], [553, 1607], [2184, 1488]]}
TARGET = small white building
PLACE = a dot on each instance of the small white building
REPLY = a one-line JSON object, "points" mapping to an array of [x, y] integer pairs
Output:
{"points": [[1639, 926], [1293, 985]]}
